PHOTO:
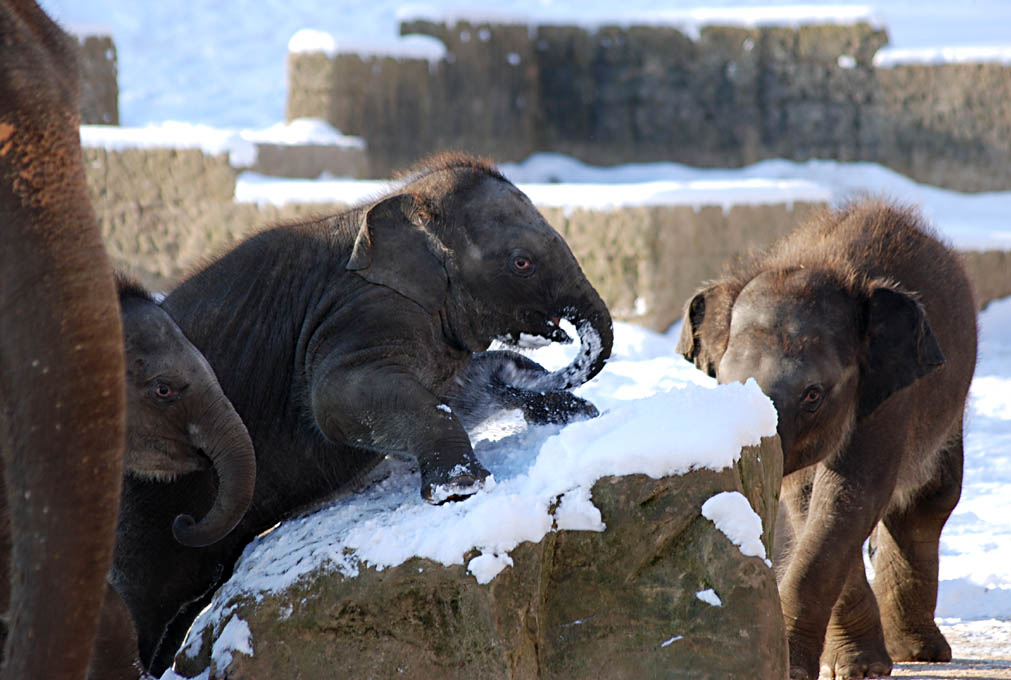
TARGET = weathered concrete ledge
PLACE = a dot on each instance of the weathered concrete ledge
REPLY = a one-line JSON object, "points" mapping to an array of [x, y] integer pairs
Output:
{"points": [[164, 211], [728, 97]]}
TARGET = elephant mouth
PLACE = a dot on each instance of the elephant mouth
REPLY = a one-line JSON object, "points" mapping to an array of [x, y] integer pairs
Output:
{"points": [[537, 334]]}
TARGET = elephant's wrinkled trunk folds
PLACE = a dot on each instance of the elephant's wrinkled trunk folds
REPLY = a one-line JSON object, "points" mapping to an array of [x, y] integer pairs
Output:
{"points": [[593, 323], [224, 439]]}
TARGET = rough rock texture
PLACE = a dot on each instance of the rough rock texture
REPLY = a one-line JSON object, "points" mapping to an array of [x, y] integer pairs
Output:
{"points": [[614, 94], [617, 604]]}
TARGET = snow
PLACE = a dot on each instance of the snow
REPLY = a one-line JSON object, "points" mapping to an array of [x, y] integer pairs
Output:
{"points": [[303, 131], [688, 21], [732, 514], [234, 637], [709, 596], [967, 221], [308, 40], [172, 135], [973, 54]]}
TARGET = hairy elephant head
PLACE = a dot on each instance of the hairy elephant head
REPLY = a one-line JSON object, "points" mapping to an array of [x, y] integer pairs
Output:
{"points": [[179, 419], [827, 350], [460, 240]]}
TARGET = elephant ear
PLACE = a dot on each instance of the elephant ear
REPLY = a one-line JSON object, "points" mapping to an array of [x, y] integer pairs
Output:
{"points": [[705, 328], [901, 347], [392, 250]]}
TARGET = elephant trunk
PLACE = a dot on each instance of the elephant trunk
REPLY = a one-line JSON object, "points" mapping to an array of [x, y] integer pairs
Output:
{"points": [[224, 439], [588, 313]]}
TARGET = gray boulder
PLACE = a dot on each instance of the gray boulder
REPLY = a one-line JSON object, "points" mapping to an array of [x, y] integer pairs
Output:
{"points": [[661, 592]]}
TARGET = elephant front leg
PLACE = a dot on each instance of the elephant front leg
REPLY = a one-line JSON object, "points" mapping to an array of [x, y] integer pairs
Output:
{"points": [[855, 643], [906, 561], [388, 411], [843, 508]]}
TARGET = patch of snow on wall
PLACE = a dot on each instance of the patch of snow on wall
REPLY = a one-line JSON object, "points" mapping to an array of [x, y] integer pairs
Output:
{"points": [[888, 57], [688, 21], [301, 131], [172, 135], [732, 514], [309, 40]]}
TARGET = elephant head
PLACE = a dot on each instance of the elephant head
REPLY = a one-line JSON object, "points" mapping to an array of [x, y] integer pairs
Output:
{"points": [[462, 241], [826, 351], [179, 419]]}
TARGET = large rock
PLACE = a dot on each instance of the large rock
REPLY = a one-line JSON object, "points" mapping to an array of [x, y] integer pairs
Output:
{"points": [[621, 603]]}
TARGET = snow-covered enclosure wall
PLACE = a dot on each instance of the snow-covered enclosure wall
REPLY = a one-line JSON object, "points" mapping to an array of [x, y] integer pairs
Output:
{"points": [[708, 95]]}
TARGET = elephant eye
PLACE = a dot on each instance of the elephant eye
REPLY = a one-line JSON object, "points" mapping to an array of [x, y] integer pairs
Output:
{"points": [[522, 264], [812, 398], [164, 391]]}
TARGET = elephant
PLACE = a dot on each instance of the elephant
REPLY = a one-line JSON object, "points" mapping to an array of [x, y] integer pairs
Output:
{"points": [[62, 395], [861, 328], [346, 338], [178, 420]]}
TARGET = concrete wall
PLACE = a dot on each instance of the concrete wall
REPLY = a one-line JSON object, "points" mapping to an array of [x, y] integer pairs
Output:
{"points": [[99, 84], [164, 212], [648, 93]]}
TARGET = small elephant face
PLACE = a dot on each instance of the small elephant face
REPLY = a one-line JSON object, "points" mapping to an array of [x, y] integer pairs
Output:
{"points": [[800, 340], [827, 353], [167, 378], [465, 243]]}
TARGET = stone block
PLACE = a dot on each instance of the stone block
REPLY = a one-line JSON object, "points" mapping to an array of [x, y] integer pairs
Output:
{"points": [[99, 80]]}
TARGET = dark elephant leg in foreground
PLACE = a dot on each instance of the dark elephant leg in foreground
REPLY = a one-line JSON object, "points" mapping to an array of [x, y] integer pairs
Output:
{"points": [[61, 358], [854, 643], [906, 563], [115, 654]]}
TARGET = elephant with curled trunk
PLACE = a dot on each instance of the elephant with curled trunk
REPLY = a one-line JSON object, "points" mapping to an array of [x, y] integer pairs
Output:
{"points": [[178, 419], [349, 337]]}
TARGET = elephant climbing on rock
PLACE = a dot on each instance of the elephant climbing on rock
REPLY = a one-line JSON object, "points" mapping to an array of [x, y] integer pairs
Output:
{"points": [[62, 404], [861, 328], [178, 419], [349, 337]]}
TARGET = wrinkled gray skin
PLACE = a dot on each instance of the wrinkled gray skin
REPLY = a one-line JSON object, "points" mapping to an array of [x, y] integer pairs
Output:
{"points": [[862, 330], [347, 338], [178, 419]]}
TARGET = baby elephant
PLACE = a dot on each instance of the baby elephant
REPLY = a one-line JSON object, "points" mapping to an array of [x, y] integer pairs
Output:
{"points": [[178, 418], [861, 328]]}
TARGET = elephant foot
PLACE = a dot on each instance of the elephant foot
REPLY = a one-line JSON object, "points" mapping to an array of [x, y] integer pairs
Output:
{"points": [[926, 643], [461, 481], [855, 658], [557, 408]]}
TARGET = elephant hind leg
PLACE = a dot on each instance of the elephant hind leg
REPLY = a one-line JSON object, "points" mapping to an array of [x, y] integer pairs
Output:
{"points": [[906, 562], [854, 641]]}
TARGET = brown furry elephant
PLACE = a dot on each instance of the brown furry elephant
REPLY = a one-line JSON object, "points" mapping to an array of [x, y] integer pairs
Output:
{"points": [[62, 404], [861, 328]]}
